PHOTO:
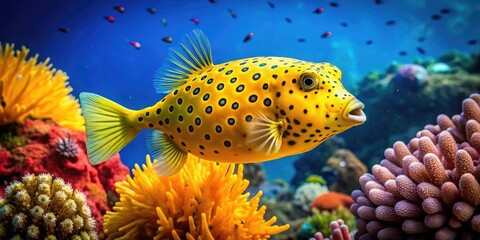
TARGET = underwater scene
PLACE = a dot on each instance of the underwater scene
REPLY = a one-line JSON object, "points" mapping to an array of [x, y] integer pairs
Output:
{"points": [[222, 119]]}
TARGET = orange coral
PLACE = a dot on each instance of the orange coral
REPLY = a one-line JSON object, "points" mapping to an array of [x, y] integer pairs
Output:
{"points": [[205, 200], [332, 200], [36, 90]]}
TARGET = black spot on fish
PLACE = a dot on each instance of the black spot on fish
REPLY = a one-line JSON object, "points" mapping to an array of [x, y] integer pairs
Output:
{"points": [[267, 102], [221, 69], [210, 81], [296, 135], [150, 125], [206, 97], [190, 128], [228, 72], [326, 128], [160, 122], [253, 98], [188, 88], [291, 142], [180, 118], [215, 151], [278, 94], [203, 77], [208, 109], [158, 111], [220, 86], [290, 107], [296, 121], [179, 130], [179, 101], [222, 102], [190, 109], [305, 111], [256, 76], [170, 108], [218, 129], [244, 69], [140, 119], [234, 79], [147, 114], [248, 118], [227, 143], [198, 121], [274, 66], [265, 86], [240, 88], [175, 92], [201, 147], [283, 112], [196, 91], [231, 121], [207, 136], [235, 106], [167, 121]]}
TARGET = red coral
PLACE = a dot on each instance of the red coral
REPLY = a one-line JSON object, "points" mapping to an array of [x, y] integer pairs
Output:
{"points": [[39, 155], [331, 200], [429, 188]]}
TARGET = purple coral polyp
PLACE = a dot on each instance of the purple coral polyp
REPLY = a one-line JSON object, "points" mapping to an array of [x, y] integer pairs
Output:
{"points": [[67, 147], [428, 188]]}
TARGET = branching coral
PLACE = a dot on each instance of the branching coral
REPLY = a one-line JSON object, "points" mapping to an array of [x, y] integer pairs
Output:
{"points": [[36, 90], [205, 200], [40, 207], [338, 229], [428, 188]]}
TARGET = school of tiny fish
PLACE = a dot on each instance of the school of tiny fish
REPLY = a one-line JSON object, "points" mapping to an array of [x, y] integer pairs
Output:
{"points": [[247, 110]]}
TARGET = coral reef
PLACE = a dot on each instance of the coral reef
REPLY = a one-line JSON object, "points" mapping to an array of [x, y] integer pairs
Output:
{"points": [[331, 201], [428, 188], [316, 179], [254, 173], [205, 200], [306, 193], [320, 222], [390, 108], [310, 163], [41, 207], [410, 76], [28, 89], [32, 147], [339, 231], [344, 166]]}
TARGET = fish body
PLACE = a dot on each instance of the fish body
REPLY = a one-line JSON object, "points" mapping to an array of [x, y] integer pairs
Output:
{"points": [[247, 110]]}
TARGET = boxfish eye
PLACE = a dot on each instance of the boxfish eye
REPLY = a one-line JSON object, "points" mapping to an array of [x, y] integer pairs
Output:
{"points": [[308, 82]]}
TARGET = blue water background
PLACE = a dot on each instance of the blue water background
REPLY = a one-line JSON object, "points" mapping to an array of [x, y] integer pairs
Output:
{"points": [[98, 58]]}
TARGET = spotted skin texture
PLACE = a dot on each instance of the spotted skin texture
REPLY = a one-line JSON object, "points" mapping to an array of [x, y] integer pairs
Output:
{"points": [[213, 113]]}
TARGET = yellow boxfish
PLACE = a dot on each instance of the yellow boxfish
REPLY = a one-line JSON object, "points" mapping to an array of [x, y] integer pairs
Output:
{"points": [[248, 110]]}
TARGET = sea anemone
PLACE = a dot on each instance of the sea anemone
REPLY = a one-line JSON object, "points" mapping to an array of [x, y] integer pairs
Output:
{"points": [[428, 188], [205, 200], [67, 147], [40, 207], [28, 89]]}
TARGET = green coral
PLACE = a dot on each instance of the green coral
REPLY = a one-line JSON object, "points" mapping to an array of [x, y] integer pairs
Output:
{"points": [[316, 179], [320, 222], [40, 207]]}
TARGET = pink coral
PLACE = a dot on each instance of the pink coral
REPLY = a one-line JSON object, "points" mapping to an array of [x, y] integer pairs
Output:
{"points": [[428, 188], [39, 154], [339, 229]]}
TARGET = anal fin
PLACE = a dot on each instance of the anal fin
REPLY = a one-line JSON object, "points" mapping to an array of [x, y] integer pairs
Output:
{"points": [[266, 134], [170, 158]]}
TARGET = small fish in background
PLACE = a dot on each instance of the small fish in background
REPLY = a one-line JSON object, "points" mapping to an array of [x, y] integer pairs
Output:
{"points": [[327, 34], [421, 39], [152, 10], [135, 44], [167, 39], [334, 4], [232, 13], [213, 1], [271, 5], [63, 30], [119, 9], [436, 17], [110, 19], [445, 11], [369, 42], [301, 40], [288, 20], [319, 10], [390, 22], [402, 53], [195, 20], [421, 50], [248, 37], [472, 42], [378, 2], [164, 21], [344, 24]]}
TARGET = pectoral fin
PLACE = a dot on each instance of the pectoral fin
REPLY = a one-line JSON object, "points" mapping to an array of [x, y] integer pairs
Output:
{"points": [[266, 134], [170, 158]]}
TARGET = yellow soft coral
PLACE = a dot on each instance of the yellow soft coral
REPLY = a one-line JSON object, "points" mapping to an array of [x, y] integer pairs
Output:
{"points": [[36, 90], [205, 200]]}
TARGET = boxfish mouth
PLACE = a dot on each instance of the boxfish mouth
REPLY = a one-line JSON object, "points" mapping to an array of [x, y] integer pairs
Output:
{"points": [[353, 112]]}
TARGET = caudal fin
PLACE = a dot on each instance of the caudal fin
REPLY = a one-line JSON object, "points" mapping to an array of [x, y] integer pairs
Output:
{"points": [[107, 125]]}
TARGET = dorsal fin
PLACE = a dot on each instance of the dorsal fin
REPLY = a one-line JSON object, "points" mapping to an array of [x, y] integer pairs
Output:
{"points": [[192, 55]]}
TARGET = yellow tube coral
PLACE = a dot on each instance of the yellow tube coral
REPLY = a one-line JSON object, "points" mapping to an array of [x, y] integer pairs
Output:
{"points": [[36, 90], [205, 200]]}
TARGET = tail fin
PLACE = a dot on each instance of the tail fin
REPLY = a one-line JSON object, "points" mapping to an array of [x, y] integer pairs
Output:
{"points": [[108, 126]]}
